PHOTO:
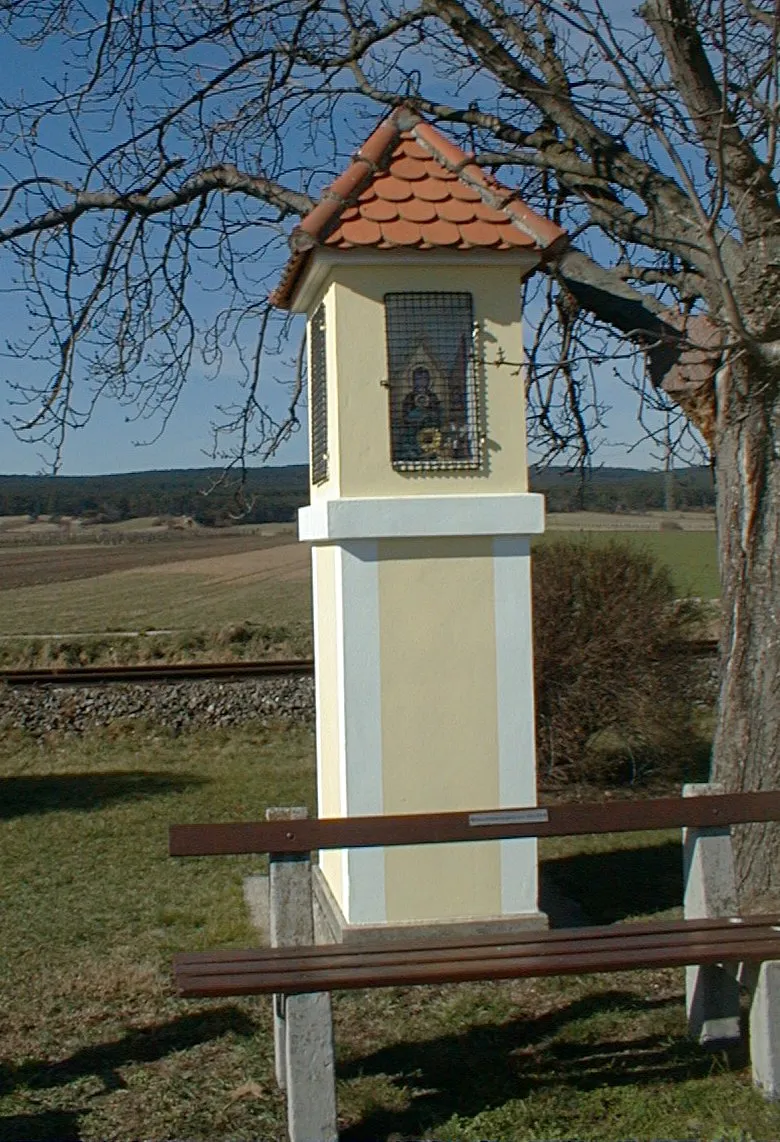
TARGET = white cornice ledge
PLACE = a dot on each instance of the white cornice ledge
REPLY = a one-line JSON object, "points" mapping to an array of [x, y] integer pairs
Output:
{"points": [[327, 261], [412, 517]]}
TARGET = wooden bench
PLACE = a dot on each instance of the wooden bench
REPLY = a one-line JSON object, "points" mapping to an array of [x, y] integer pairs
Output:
{"points": [[718, 947]]}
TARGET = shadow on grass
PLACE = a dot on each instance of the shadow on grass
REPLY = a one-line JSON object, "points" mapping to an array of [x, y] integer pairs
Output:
{"points": [[46, 1126], [142, 1046], [486, 1067], [20, 796], [609, 886], [698, 759]]}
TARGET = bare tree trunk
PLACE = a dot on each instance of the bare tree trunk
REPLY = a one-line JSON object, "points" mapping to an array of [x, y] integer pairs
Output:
{"points": [[746, 751]]}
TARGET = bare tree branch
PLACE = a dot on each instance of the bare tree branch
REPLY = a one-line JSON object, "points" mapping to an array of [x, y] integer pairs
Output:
{"points": [[144, 204], [168, 164], [752, 190]]}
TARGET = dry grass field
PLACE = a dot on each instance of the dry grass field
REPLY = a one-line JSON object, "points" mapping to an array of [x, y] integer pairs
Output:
{"points": [[186, 587], [205, 581], [30, 566]]}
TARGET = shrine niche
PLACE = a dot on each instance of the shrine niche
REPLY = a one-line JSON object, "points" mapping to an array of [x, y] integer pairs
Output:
{"points": [[432, 381]]}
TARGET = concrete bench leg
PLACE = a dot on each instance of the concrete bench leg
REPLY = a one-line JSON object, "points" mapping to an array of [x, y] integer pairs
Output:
{"points": [[765, 1030], [311, 1088], [711, 992], [303, 1027]]}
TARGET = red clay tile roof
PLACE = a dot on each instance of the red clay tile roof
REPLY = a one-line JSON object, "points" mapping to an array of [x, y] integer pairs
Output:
{"points": [[408, 187]]}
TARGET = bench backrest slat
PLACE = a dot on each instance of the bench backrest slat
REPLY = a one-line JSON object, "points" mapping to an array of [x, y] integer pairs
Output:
{"points": [[310, 834]]}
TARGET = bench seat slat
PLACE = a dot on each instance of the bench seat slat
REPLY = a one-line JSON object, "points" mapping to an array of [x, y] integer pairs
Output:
{"points": [[399, 965], [517, 966], [585, 940], [297, 964], [440, 945]]}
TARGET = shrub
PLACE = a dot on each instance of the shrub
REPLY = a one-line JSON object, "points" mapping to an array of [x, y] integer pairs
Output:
{"points": [[614, 695]]}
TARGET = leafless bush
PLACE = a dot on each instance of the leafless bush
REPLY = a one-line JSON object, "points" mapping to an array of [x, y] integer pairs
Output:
{"points": [[614, 695]]}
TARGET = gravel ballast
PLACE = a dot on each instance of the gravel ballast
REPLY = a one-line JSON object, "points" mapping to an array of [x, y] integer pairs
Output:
{"points": [[176, 705], [183, 705]]}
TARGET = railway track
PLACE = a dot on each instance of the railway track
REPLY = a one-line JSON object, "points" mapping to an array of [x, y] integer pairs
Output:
{"points": [[186, 671], [206, 671]]}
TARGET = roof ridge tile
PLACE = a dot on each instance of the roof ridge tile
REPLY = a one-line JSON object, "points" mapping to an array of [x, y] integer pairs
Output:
{"points": [[453, 175]]}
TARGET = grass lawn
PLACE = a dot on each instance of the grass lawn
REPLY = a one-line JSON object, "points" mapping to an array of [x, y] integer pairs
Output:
{"points": [[691, 555], [96, 1046]]}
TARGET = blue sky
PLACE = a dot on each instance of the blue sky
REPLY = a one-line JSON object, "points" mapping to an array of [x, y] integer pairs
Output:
{"points": [[111, 443]]}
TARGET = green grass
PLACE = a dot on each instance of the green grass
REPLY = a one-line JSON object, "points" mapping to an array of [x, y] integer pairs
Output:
{"points": [[691, 555], [93, 910], [96, 1046]]}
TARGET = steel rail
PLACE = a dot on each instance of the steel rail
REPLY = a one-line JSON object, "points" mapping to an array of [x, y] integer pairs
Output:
{"points": [[185, 671], [181, 672]]}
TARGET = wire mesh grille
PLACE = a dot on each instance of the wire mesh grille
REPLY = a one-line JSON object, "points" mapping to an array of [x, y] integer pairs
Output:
{"points": [[433, 398], [318, 399]]}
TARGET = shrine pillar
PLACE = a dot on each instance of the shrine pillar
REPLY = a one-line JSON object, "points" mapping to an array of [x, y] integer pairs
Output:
{"points": [[420, 523]]}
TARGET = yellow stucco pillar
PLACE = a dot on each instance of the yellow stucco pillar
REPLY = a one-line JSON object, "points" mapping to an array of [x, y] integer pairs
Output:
{"points": [[421, 573], [409, 269]]}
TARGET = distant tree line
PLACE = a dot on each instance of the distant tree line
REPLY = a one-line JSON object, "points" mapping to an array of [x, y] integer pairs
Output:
{"points": [[272, 495], [626, 490], [269, 495]]}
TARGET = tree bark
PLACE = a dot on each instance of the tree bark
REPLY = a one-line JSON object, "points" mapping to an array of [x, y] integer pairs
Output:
{"points": [[746, 752]]}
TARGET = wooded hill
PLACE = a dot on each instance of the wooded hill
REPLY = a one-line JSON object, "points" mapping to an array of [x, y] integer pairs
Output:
{"points": [[625, 489], [274, 494]]}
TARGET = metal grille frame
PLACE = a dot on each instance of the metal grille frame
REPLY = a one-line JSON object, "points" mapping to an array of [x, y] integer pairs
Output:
{"points": [[434, 413], [318, 397]]}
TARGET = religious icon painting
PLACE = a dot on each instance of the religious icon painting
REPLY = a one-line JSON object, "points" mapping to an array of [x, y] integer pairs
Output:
{"points": [[433, 404]]}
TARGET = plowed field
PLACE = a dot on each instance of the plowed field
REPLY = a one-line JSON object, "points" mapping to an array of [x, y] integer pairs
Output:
{"points": [[30, 566]]}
